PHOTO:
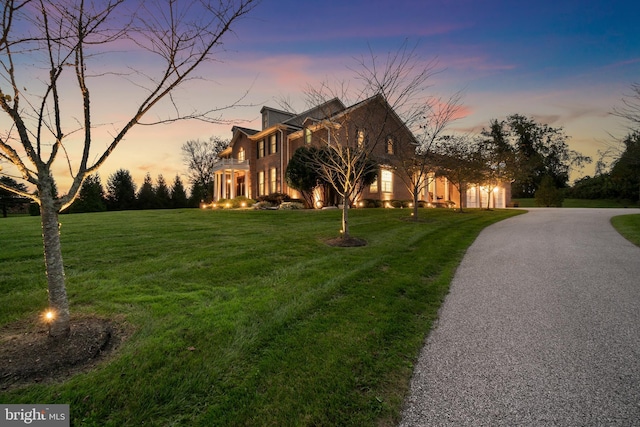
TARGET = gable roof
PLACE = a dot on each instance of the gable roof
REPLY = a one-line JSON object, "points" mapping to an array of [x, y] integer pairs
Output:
{"points": [[320, 112]]}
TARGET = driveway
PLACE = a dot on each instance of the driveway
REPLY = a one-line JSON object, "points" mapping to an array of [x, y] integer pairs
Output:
{"points": [[541, 328]]}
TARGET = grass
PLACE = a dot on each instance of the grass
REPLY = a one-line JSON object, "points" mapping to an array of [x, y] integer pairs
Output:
{"points": [[243, 317], [628, 226], [583, 203]]}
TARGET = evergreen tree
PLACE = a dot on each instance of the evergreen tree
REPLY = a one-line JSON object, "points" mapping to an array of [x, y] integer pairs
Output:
{"points": [[121, 191], [9, 199], [91, 197], [163, 194], [147, 194], [548, 194], [178, 194]]}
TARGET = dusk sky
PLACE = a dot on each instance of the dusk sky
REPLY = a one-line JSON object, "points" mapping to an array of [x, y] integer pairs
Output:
{"points": [[566, 63]]}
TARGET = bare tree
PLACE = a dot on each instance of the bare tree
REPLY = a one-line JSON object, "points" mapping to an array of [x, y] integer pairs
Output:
{"points": [[630, 109], [414, 160], [201, 157], [394, 122], [51, 52], [459, 160]]}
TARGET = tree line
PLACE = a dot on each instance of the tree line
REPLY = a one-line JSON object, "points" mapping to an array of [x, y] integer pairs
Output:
{"points": [[122, 193]]}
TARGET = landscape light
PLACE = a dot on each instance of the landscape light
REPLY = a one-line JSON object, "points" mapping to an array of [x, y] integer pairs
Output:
{"points": [[243, 204], [49, 315]]}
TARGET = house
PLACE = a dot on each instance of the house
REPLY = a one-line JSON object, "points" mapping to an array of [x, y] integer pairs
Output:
{"points": [[255, 162]]}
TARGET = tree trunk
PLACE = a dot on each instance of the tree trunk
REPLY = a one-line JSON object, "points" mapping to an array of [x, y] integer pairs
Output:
{"points": [[415, 204], [345, 218], [58, 302]]}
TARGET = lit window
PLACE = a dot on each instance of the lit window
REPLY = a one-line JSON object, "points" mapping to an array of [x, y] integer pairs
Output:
{"points": [[273, 183], [273, 148], [307, 136], [373, 188], [389, 145], [387, 181], [261, 148], [241, 154], [261, 183]]}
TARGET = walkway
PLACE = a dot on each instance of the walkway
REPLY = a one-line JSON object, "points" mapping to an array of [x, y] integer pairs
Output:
{"points": [[541, 328]]}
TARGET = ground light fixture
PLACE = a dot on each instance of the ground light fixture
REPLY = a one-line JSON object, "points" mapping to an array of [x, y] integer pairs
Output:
{"points": [[48, 317]]}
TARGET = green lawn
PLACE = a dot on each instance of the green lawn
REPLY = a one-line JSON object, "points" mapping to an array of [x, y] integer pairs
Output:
{"points": [[243, 317], [628, 226]]}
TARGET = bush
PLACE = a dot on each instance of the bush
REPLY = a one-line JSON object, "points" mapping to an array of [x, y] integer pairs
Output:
{"points": [[291, 205], [264, 205], [371, 203], [275, 198], [548, 195], [238, 202]]}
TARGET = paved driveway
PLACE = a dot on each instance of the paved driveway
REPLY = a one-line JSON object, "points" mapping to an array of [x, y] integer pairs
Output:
{"points": [[541, 328]]}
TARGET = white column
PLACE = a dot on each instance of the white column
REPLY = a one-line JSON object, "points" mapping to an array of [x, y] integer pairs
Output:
{"points": [[232, 185]]}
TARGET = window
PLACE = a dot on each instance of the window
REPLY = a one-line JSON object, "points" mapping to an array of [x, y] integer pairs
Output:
{"points": [[261, 148], [261, 183], [360, 137], [387, 181], [373, 188], [273, 180], [389, 145], [273, 147], [241, 154], [307, 136]]}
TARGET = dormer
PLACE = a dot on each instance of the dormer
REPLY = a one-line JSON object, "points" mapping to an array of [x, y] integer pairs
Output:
{"points": [[271, 117]]}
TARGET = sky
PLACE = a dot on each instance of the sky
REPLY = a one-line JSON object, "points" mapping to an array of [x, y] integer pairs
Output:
{"points": [[565, 63]]}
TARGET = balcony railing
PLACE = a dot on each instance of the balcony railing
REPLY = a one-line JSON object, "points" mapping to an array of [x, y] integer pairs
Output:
{"points": [[231, 164]]}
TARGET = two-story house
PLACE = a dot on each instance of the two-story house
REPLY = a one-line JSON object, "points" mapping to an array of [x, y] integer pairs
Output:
{"points": [[255, 162]]}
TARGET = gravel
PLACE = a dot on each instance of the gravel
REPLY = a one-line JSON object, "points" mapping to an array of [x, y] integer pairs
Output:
{"points": [[541, 328]]}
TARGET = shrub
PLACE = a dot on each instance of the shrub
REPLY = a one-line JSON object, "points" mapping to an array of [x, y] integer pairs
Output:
{"points": [[238, 202], [291, 205], [371, 203], [275, 198], [263, 205]]}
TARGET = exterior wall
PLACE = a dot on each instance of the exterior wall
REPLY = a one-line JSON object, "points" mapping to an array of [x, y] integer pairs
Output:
{"points": [[271, 159], [478, 197]]}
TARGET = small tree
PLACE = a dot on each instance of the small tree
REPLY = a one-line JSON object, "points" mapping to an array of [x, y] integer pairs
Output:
{"points": [[301, 175], [548, 194], [498, 158], [201, 158], [47, 48], [459, 160], [416, 118]]}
